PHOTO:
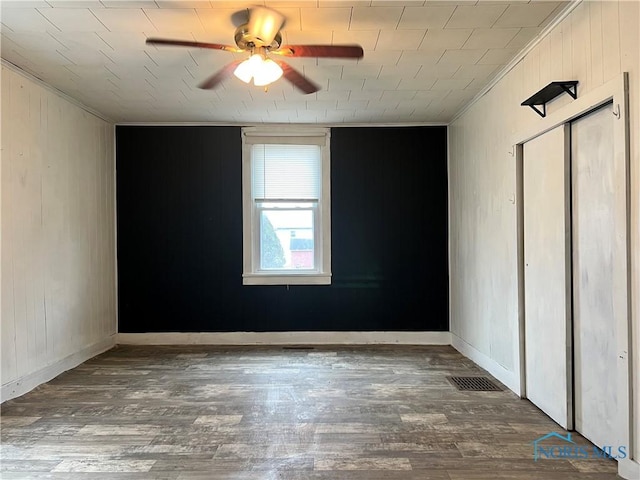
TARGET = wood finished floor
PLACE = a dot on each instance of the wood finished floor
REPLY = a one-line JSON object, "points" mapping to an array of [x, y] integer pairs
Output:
{"points": [[268, 413]]}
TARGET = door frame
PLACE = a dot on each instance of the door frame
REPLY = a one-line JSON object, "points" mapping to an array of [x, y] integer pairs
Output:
{"points": [[616, 91]]}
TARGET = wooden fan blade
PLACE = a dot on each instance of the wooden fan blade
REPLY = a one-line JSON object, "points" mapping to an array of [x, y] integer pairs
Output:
{"points": [[333, 51], [221, 75], [188, 43], [297, 79]]}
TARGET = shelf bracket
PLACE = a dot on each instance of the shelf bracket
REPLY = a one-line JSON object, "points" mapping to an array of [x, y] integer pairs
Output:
{"points": [[550, 92], [542, 113]]}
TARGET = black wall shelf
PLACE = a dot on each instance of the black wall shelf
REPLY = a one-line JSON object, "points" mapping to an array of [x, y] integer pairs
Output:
{"points": [[550, 92]]}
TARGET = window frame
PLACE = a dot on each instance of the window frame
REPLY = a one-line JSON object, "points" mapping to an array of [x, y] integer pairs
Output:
{"points": [[251, 272]]}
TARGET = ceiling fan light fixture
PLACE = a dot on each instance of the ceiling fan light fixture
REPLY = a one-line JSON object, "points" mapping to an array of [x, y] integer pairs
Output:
{"points": [[263, 71], [246, 69], [267, 73]]}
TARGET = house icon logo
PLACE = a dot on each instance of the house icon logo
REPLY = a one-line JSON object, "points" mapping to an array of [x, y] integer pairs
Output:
{"points": [[556, 446], [547, 451]]}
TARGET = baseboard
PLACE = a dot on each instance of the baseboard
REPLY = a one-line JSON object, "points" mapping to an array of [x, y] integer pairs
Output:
{"points": [[629, 469], [28, 382], [506, 377], [285, 338]]}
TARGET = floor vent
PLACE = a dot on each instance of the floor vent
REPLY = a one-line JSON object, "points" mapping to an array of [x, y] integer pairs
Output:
{"points": [[475, 384]]}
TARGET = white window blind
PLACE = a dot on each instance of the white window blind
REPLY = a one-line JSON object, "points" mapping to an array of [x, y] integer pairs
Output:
{"points": [[286, 172]]}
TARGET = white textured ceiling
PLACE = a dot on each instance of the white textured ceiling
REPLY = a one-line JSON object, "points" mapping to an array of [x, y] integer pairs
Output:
{"points": [[423, 60]]}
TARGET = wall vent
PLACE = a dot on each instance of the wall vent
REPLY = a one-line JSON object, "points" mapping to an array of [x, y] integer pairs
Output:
{"points": [[475, 384]]}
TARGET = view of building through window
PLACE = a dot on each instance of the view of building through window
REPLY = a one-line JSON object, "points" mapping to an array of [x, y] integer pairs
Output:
{"points": [[287, 237]]}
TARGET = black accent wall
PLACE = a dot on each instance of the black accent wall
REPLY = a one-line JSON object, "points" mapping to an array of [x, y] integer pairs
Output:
{"points": [[179, 207]]}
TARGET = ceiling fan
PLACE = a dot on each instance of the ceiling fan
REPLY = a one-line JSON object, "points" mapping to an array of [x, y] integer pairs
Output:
{"points": [[260, 36]]}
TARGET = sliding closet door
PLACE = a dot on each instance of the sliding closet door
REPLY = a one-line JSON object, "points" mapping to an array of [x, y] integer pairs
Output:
{"points": [[599, 262], [547, 272]]}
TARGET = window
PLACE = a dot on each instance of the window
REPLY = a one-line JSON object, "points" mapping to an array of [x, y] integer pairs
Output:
{"points": [[286, 206]]}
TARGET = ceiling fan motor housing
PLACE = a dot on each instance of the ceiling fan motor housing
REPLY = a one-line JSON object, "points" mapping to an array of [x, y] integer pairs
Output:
{"points": [[245, 40]]}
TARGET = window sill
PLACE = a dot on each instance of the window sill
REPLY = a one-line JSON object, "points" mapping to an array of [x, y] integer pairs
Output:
{"points": [[286, 279]]}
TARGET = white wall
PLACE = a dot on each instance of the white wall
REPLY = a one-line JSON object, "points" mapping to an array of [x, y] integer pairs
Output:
{"points": [[594, 44], [58, 239]]}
